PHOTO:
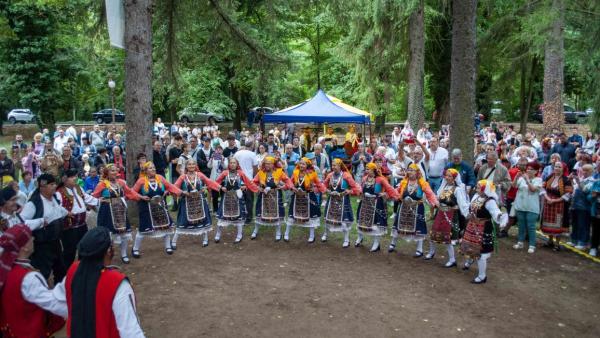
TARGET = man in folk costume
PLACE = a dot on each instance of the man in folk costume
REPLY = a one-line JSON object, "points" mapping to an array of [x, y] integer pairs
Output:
{"points": [[494, 171], [371, 214], [338, 213], [305, 209], [8, 211], [28, 308], [478, 240], [43, 204], [75, 201], [271, 180], [101, 302]]}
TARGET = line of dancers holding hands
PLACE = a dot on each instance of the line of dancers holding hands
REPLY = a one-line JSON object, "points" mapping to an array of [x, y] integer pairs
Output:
{"points": [[468, 223]]}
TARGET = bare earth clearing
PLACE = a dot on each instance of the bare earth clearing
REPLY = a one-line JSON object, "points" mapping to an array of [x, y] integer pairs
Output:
{"points": [[266, 289]]}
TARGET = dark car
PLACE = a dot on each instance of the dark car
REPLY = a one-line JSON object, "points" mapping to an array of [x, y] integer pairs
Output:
{"points": [[105, 116], [569, 113]]}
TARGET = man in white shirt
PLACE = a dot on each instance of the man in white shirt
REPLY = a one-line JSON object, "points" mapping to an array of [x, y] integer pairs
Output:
{"points": [[75, 201], [8, 211], [60, 141], [248, 162], [396, 136], [438, 158], [21, 286], [47, 256], [93, 271]]}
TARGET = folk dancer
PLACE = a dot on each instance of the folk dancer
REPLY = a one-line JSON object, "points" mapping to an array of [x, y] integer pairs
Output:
{"points": [[28, 307], [76, 202], [371, 214], [100, 300], [410, 221], [479, 237], [47, 254], [155, 220], [555, 211], [112, 214], [271, 180], [232, 207], [8, 211], [338, 212], [193, 216], [305, 209], [450, 216]]}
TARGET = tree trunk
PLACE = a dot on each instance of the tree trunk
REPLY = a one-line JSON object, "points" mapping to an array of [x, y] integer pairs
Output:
{"points": [[522, 98], [416, 67], [527, 94], [554, 64], [462, 77], [138, 81]]}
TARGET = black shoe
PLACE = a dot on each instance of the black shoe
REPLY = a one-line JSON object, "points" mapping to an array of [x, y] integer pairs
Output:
{"points": [[358, 244], [482, 281], [378, 248], [449, 266], [311, 241], [169, 251], [503, 234], [125, 260], [428, 258], [205, 244], [466, 267], [392, 248], [174, 246], [217, 240], [135, 253], [418, 254]]}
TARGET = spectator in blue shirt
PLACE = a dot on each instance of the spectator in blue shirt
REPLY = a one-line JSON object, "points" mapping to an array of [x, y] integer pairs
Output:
{"points": [[90, 183], [290, 157], [467, 174]]}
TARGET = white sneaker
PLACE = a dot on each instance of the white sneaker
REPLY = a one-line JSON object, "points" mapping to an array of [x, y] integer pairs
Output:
{"points": [[518, 246], [579, 247], [594, 252], [531, 249]]}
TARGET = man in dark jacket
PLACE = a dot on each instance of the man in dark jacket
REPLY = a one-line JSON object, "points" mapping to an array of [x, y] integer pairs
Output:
{"points": [[203, 155], [70, 162], [159, 158]]}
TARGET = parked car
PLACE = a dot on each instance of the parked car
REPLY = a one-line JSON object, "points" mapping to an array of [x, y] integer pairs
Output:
{"points": [[569, 113], [589, 111], [105, 116], [191, 114], [496, 108], [261, 111], [21, 115]]}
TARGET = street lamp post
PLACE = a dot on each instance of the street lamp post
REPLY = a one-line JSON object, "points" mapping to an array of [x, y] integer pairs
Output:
{"points": [[112, 85]]}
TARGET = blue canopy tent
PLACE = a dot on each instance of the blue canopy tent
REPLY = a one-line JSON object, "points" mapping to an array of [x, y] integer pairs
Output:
{"points": [[320, 109]]}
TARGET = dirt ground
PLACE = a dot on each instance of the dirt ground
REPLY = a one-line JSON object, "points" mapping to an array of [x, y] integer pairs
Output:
{"points": [[266, 289]]}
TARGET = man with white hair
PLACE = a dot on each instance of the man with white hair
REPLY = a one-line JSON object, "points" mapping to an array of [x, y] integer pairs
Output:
{"points": [[60, 140]]}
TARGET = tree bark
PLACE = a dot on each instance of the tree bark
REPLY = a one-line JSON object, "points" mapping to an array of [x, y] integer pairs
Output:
{"points": [[416, 67], [527, 93], [554, 64], [462, 77], [138, 81]]}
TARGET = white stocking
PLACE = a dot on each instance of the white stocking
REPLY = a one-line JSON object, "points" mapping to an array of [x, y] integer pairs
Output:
{"points": [[288, 227], [431, 248], [375, 242], [137, 243], [393, 241], [451, 258], [123, 245], [482, 265], [218, 234], [311, 235], [174, 239], [167, 240], [346, 236], [420, 245], [278, 230], [240, 231], [205, 241], [324, 237], [256, 229]]}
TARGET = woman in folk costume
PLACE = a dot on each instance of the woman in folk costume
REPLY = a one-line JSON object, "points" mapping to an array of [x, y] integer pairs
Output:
{"points": [[232, 208], [555, 212], [271, 180], [372, 209], [450, 216], [155, 220], [305, 209], [193, 216], [410, 218], [478, 240], [112, 214], [338, 209]]}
